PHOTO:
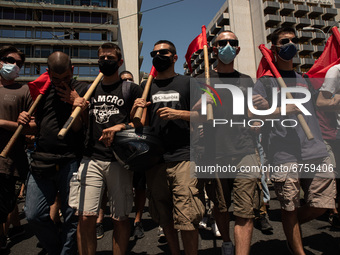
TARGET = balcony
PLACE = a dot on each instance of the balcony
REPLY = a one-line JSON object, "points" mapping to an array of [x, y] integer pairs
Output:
{"points": [[318, 23], [270, 7], [319, 48], [303, 22], [269, 32], [296, 61], [307, 62], [288, 21], [286, 9], [301, 10], [225, 28], [210, 36], [304, 35], [329, 24], [215, 29], [305, 48], [223, 19], [318, 37], [272, 20], [329, 13], [315, 11]]}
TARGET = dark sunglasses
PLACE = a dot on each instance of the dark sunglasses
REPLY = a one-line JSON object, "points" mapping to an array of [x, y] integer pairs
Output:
{"points": [[161, 52], [127, 79], [287, 40], [232, 42], [12, 60]]}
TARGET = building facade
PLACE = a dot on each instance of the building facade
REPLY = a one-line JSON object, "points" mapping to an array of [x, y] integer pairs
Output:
{"points": [[254, 21], [76, 27]]}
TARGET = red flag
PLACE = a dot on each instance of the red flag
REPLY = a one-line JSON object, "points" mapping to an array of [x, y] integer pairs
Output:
{"points": [[264, 67], [195, 45], [329, 57], [153, 72], [39, 85]]}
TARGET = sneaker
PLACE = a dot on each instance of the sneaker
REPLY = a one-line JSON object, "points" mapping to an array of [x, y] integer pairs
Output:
{"points": [[203, 223], [215, 230], [99, 231], [139, 231], [334, 220], [161, 235], [227, 248], [262, 224], [3, 243], [15, 232]]}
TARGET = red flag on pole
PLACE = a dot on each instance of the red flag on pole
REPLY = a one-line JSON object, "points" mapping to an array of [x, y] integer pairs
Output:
{"points": [[329, 57], [264, 67], [39, 85], [153, 72], [195, 45]]}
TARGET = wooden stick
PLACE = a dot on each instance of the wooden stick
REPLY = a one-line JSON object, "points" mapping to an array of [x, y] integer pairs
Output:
{"points": [[282, 84], [139, 112], [210, 113], [77, 110], [17, 132]]}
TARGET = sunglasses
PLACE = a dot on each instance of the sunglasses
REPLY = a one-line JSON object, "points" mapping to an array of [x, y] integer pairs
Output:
{"points": [[127, 79], [287, 40], [161, 52], [12, 60], [232, 42]]}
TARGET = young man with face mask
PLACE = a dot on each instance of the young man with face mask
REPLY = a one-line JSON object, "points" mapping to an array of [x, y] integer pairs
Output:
{"points": [[109, 113], [291, 151], [233, 145], [14, 98], [174, 197], [55, 160]]}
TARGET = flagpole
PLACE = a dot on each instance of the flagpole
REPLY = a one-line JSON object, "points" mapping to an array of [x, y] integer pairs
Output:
{"points": [[282, 84], [210, 114], [77, 110], [17, 132], [139, 112]]}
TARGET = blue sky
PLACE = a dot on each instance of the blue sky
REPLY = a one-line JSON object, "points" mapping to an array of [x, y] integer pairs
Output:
{"points": [[180, 23]]}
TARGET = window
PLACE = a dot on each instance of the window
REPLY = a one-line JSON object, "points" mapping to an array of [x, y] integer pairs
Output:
{"points": [[43, 69], [84, 52], [94, 70], [68, 17], [75, 52], [96, 36], [27, 68], [84, 70], [47, 15], [94, 53], [96, 18], [37, 51], [59, 16], [20, 14], [7, 33], [85, 18], [46, 35], [84, 36], [19, 33], [8, 13]]}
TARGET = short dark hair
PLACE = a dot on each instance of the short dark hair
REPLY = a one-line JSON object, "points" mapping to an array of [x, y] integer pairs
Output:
{"points": [[113, 46], [277, 32], [125, 72], [172, 46], [8, 49], [59, 62]]}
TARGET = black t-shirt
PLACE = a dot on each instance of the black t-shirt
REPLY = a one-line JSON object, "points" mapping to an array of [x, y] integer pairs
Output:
{"points": [[175, 134], [51, 115], [108, 108], [236, 140]]}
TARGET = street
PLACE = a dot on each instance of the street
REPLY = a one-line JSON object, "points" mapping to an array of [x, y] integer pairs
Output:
{"points": [[318, 237]]}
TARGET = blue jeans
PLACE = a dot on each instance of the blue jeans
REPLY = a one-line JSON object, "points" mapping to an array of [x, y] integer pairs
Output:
{"points": [[41, 194]]}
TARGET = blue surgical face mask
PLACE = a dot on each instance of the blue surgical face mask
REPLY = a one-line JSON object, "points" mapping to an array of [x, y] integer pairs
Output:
{"points": [[9, 71], [287, 51], [227, 54]]}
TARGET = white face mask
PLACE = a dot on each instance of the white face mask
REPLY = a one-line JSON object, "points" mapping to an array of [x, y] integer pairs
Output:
{"points": [[9, 71]]}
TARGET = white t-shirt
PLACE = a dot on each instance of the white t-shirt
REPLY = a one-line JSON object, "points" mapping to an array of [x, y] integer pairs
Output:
{"points": [[332, 84]]}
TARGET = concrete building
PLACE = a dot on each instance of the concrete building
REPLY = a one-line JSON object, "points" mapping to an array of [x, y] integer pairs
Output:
{"points": [[254, 21], [76, 27]]}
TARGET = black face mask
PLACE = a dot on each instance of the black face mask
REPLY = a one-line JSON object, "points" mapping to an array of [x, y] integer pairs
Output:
{"points": [[161, 62], [108, 67]]}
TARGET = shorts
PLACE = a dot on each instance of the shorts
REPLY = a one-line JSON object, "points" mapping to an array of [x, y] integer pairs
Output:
{"points": [[174, 195], [93, 176], [319, 191], [7, 196], [246, 188]]}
